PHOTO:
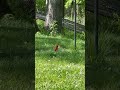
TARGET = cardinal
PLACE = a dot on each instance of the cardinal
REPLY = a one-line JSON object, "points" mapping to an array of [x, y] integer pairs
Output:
{"points": [[56, 48]]}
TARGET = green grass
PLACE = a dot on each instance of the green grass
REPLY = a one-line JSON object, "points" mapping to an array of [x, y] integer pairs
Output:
{"points": [[16, 73], [103, 72], [62, 70]]}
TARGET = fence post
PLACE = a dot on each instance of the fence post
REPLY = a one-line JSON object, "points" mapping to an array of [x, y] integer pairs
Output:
{"points": [[96, 26], [75, 23]]}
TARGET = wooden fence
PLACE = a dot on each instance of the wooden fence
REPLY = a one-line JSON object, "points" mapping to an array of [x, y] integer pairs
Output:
{"points": [[66, 23]]}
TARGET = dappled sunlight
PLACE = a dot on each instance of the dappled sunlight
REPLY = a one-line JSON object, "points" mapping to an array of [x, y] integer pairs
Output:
{"points": [[64, 68], [45, 48]]}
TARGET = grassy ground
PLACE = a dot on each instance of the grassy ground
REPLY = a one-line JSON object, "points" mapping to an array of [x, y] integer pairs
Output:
{"points": [[103, 73], [16, 73], [61, 70]]}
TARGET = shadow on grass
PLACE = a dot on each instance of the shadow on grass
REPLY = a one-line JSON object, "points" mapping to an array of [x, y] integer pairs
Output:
{"points": [[102, 76], [17, 73], [45, 49], [63, 42]]}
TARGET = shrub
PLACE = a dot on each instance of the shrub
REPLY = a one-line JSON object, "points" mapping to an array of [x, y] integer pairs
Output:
{"points": [[53, 28]]}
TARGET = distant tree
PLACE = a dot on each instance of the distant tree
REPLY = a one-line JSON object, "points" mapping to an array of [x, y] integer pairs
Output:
{"points": [[69, 9], [54, 13], [40, 5]]}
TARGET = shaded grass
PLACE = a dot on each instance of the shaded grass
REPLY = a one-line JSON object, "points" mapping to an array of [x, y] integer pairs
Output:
{"points": [[17, 73], [16, 69], [103, 72], [62, 70]]}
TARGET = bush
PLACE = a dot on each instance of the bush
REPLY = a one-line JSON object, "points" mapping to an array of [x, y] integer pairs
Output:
{"points": [[53, 28]]}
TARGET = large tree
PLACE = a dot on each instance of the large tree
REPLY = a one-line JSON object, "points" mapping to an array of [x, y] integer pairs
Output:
{"points": [[54, 13]]}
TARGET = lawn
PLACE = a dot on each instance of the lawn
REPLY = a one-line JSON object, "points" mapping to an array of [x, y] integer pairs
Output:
{"points": [[61, 70], [17, 73], [17, 65]]}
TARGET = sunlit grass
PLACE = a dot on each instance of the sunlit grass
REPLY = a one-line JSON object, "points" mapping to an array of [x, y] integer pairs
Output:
{"points": [[61, 70]]}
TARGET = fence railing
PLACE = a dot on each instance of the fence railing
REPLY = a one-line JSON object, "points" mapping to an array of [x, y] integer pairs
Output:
{"points": [[66, 23]]}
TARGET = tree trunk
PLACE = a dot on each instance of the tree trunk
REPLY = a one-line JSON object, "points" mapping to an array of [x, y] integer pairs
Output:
{"points": [[54, 13]]}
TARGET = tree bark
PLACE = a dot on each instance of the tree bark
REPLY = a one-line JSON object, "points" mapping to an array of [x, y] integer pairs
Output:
{"points": [[54, 13]]}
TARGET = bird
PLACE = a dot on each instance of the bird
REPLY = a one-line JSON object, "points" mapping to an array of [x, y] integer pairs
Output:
{"points": [[56, 48]]}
